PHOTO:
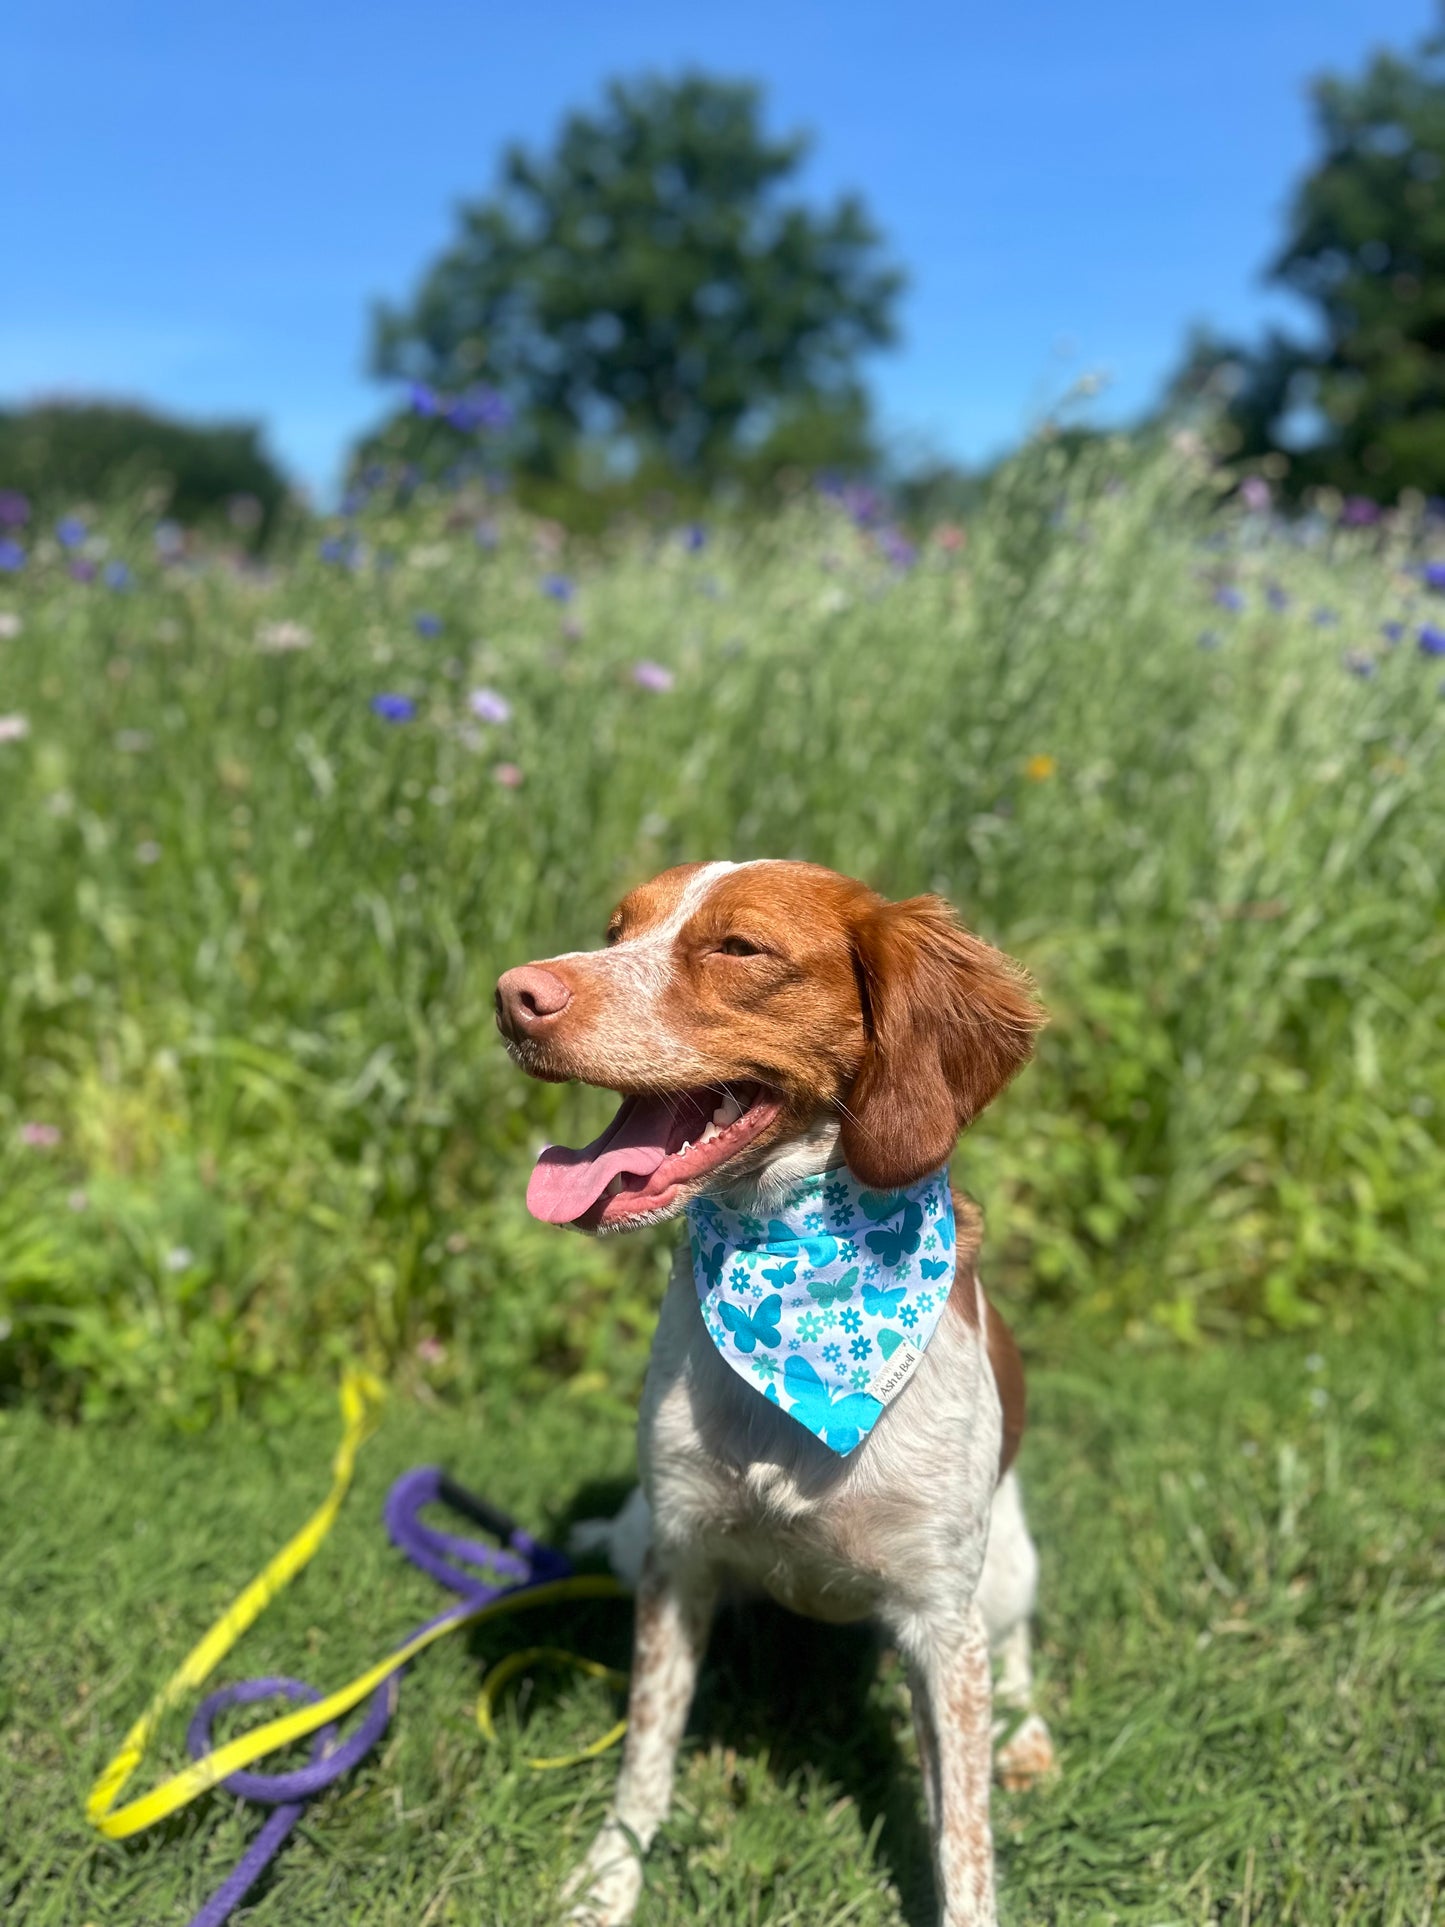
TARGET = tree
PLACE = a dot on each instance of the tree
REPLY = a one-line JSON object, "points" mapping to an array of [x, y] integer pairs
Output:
{"points": [[647, 283], [63, 452], [1366, 250]]}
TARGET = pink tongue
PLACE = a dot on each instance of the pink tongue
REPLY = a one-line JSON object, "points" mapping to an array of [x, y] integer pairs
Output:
{"points": [[564, 1183]]}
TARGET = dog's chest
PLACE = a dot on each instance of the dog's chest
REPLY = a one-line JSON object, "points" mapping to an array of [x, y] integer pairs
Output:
{"points": [[734, 1479]]}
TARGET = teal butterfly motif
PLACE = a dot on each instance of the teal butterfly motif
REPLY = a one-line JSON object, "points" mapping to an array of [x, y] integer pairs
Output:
{"points": [[833, 1291], [878, 1205], [712, 1263], [750, 1329], [819, 1251], [841, 1422], [883, 1304], [943, 1225], [893, 1245], [782, 1274], [934, 1268]]}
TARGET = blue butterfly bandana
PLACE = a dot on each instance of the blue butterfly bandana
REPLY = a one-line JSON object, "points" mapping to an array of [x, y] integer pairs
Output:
{"points": [[826, 1306]]}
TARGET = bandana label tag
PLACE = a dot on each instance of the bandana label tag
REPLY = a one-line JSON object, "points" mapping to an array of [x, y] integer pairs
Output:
{"points": [[890, 1380]]}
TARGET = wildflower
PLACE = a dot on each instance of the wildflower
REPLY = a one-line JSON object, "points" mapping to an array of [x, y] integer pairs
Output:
{"points": [[283, 638], [393, 709], [14, 509], [1039, 769], [479, 407], [1392, 631], [170, 541], [1254, 492], [180, 1258], [70, 531], [1359, 512], [344, 550], [148, 852], [486, 535], [694, 537], [1358, 663], [12, 556], [10, 625], [559, 587], [653, 676], [427, 625], [39, 1137], [489, 707], [896, 548], [950, 536], [1228, 598], [132, 742], [1324, 618], [422, 399], [1433, 574], [14, 729], [508, 775], [430, 1351], [1276, 597], [82, 569], [1432, 640], [116, 575]]}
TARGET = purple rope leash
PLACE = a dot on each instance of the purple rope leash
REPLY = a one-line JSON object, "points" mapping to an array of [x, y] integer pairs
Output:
{"points": [[457, 1563]]}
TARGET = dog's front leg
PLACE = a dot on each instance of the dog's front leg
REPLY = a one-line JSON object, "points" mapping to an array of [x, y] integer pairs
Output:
{"points": [[674, 1610], [953, 1692]]}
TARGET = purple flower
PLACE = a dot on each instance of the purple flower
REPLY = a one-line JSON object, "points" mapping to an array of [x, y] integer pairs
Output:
{"points": [[1255, 494], [393, 709], [488, 707], [338, 548], [116, 575], [559, 587], [12, 556], [1231, 599], [1324, 618], [39, 1137], [896, 548], [653, 676], [1434, 576], [1432, 640], [864, 504], [1358, 663], [82, 569], [70, 531], [14, 509], [694, 537], [1392, 631], [427, 624], [479, 407], [1359, 512], [422, 398], [1276, 597]]}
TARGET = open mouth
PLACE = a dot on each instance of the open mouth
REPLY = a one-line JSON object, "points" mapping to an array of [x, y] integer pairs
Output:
{"points": [[653, 1149]]}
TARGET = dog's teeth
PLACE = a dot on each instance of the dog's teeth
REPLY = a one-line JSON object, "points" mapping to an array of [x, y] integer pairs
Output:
{"points": [[709, 1134], [685, 1149], [728, 1112]]}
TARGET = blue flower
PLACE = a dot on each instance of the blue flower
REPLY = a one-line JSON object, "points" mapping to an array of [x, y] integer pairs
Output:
{"points": [[897, 549], [422, 399], [852, 1321], [1276, 597], [1433, 575], [1358, 663], [858, 1379], [1392, 631], [1432, 641], [1230, 599], [694, 537], [813, 1221], [1324, 618], [394, 709], [559, 587], [847, 1251], [14, 509], [116, 575], [70, 531], [835, 1194], [738, 1278], [426, 624], [908, 1317], [808, 1326], [860, 1348], [833, 1354], [12, 556], [764, 1366], [339, 548]]}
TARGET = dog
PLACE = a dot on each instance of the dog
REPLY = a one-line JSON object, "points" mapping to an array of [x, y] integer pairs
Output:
{"points": [[782, 1037]]}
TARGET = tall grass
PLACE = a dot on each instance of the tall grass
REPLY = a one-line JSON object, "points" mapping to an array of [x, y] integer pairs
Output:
{"points": [[252, 926]]}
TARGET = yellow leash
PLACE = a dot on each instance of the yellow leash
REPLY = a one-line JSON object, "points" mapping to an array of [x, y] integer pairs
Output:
{"points": [[361, 1399]]}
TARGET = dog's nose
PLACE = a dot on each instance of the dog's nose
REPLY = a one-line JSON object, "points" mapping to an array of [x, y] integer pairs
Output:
{"points": [[528, 998]]}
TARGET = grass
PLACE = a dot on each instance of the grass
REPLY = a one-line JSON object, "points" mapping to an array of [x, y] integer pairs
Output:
{"points": [[253, 1113], [1242, 1661]]}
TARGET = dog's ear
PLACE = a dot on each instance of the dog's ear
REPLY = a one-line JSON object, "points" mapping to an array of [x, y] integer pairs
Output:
{"points": [[949, 1020]]}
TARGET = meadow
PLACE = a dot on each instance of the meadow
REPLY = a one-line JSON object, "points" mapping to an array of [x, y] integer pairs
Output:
{"points": [[270, 832]]}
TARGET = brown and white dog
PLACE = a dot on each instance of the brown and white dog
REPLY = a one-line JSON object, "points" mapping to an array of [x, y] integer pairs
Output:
{"points": [[763, 1022]]}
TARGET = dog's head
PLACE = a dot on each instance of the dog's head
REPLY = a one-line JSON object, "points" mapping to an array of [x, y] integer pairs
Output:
{"points": [[752, 1017]]}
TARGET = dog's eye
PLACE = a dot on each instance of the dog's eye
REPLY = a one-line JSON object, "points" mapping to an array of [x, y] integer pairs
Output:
{"points": [[739, 947]]}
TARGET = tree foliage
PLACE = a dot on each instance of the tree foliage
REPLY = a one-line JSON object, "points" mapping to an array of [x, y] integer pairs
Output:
{"points": [[649, 283], [1362, 405], [61, 452]]}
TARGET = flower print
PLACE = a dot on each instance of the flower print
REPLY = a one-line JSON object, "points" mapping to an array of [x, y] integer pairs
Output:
{"points": [[908, 1317], [833, 1354], [718, 1334], [847, 1251], [795, 1344], [738, 1278], [930, 1243], [858, 1379], [835, 1194], [860, 1348], [924, 1301], [870, 1272], [764, 1367], [830, 1318], [750, 1227], [852, 1321], [809, 1327], [813, 1221]]}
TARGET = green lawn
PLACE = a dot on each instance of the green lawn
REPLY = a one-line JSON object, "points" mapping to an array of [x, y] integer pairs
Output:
{"points": [[1243, 1659]]}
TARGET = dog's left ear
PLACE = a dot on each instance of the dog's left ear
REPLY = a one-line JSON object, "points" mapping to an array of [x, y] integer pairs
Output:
{"points": [[949, 1021]]}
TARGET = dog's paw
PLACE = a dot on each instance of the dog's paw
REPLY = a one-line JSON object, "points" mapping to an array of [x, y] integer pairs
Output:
{"points": [[1026, 1758], [606, 1887]]}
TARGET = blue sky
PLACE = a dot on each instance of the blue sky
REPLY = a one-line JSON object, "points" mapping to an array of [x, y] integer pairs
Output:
{"points": [[205, 201]]}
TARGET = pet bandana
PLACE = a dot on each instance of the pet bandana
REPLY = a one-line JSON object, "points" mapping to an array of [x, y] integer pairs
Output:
{"points": [[826, 1306]]}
